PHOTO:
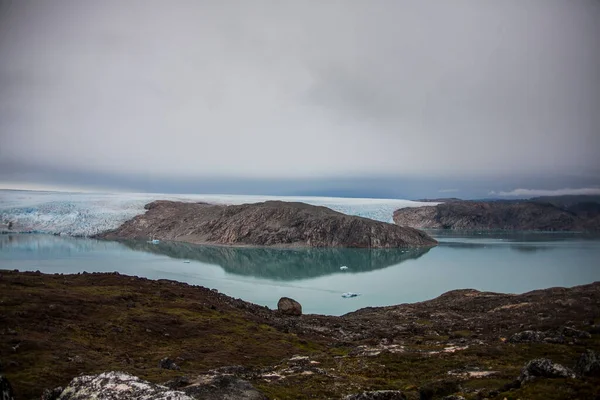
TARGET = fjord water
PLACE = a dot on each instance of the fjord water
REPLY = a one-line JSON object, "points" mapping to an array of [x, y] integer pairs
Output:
{"points": [[501, 262]]}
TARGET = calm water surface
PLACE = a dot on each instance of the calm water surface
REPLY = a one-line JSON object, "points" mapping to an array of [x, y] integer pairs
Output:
{"points": [[501, 262]]}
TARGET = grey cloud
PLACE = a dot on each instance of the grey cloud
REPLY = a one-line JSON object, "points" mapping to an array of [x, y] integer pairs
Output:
{"points": [[554, 192], [301, 90]]}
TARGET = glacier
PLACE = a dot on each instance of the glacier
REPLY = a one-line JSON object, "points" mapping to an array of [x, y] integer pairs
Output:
{"points": [[87, 214]]}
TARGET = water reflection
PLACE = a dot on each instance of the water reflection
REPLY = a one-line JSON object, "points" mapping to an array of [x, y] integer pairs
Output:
{"points": [[282, 264], [51, 245]]}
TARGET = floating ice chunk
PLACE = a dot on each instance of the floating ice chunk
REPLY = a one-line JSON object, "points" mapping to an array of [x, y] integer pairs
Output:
{"points": [[154, 241], [343, 268], [347, 295], [186, 261]]}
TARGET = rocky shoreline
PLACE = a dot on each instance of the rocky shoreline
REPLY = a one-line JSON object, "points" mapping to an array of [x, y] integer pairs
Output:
{"points": [[272, 223], [193, 340]]}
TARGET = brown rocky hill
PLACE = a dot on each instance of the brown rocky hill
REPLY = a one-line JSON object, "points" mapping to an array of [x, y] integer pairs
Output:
{"points": [[272, 223], [501, 215]]}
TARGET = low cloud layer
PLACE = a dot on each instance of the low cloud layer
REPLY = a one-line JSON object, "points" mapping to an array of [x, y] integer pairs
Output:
{"points": [[555, 192], [299, 90]]}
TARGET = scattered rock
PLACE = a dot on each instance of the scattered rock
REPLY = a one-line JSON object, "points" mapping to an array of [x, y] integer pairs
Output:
{"points": [[527, 337], [117, 385], [377, 395], [217, 387], [52, 394], [178, 382], [574, 333], [167, 363], [553, 336], [6, 391], [76, 360], [543, 368], [588, 364], [289, 306]]}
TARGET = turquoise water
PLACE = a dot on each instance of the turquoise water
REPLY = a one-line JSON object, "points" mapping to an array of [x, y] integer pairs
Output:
{"points": [[501, 262]]}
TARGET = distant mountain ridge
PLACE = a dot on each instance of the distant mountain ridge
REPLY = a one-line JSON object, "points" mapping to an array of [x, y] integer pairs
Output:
{"points": [[551, 213]]}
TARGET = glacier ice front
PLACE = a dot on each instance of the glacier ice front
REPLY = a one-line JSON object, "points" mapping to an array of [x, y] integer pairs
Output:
{"points": [[87, 214]]}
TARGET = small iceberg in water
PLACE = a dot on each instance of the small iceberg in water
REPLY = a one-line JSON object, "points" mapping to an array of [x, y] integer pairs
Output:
{"points": [[154, 241], [186, 261], [343, 268], [347, 295]]}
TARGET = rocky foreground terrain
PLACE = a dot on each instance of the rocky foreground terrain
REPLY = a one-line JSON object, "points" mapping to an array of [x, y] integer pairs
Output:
{"points": [[272, 223], [534, 215], [75, 336]]}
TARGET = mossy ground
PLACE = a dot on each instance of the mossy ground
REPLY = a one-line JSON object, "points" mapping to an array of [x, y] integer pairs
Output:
{"points": [[62, 326]]}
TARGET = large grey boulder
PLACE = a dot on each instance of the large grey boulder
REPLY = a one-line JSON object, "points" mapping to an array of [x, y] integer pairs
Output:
{"points": [[543, 368], [117, 386], [289, 306]]}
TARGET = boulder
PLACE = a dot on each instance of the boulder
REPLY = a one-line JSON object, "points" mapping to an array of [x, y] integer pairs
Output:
{"points": [[167, 363], [377, 395], [289, 306], [527, 337], [116, 386], [588, 364], [543, 368], [6, 391]]}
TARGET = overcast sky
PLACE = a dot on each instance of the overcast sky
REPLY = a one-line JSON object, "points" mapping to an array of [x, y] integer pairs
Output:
{"points": [[249, 95]]}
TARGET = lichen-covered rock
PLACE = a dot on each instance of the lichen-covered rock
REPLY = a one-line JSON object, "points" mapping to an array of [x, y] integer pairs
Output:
{"points": [[289, 306], [117, 386], [377, 395], [6, 391], [544, 368], [588, 364]]}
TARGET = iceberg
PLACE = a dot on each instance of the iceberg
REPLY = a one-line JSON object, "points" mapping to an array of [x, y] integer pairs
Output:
{"points": [[343, 268], [347, 295]]}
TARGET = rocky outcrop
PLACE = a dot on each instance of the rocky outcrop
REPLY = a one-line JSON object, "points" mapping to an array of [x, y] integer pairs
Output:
{"points": [[559, 336], [501, 215], [116, 386], [289, 306], [122, 386], [272, 223], [543, 368]]}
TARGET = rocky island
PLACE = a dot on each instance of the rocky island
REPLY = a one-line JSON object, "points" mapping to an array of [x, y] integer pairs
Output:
{"points": [[111, 336], [535, 215], [272, 223]]}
